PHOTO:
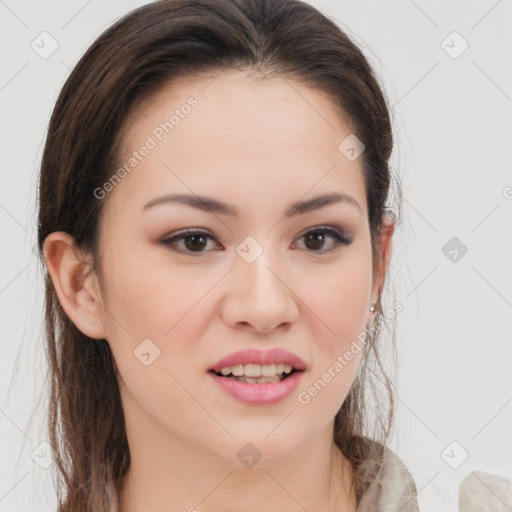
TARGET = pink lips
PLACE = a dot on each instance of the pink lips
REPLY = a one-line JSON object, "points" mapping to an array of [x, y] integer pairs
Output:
{"points": [[259, 394], [274, 356]]}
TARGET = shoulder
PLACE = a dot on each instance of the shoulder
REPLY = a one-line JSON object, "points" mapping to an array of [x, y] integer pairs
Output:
{"points": [[390, 486], [399, 489], [484, 491]]}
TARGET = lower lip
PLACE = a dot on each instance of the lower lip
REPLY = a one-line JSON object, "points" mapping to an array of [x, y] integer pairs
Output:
{"points": [[259, 393]]}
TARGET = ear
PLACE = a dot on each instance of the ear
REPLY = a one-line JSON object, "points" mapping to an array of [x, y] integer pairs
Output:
{"points": [[384, 257], [75, 283]]}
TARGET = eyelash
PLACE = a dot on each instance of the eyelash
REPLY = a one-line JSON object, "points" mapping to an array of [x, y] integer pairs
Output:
{"points": [[334, 233]]}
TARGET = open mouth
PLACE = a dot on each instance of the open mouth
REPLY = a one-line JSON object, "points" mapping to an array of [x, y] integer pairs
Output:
{"points": [[258, 384], [271, 379]]}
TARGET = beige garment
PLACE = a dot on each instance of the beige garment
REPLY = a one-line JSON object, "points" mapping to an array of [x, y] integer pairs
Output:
{"points": [[393, 490], [483, 492]]}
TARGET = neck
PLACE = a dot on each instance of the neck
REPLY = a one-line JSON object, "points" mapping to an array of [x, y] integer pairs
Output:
{"points": [[183, 477]]}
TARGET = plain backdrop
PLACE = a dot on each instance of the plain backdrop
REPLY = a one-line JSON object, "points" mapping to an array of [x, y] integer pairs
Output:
{"points": [[446, 69]]}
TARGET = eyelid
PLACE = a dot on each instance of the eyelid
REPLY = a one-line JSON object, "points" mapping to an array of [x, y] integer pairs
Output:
{"points": [[328, 228]]}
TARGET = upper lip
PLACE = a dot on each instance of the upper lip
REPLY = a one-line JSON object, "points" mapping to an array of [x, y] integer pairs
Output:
{"points": [[261, 357]]}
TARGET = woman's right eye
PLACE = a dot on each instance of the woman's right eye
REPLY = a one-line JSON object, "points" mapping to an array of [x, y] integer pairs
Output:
{"points": [[194, 241]]}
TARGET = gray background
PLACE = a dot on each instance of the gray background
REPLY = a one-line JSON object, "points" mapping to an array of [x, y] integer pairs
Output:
{"points": [[452, 116]]}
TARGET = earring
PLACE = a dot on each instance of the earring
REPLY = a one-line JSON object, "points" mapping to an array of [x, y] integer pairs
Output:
{"points": [[372, 308]]}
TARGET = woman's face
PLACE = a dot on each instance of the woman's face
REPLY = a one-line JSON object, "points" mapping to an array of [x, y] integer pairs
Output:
{"points": [[260, 274]]}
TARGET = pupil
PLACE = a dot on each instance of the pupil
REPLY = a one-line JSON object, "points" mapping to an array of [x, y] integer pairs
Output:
{"points": [[316, 236], [195, 237]]}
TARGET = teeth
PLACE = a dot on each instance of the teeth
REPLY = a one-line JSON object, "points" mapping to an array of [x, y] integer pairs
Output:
{"points": [[256, 370], [253, 370], [238, 370], [258, 380]]}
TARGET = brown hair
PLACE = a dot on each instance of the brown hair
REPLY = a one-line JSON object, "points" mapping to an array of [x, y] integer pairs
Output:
{"points": [[129, 62]]}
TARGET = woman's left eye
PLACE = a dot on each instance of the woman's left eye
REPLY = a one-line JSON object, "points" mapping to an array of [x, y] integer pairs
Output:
{"points": [[195, 241], [317, 237]]}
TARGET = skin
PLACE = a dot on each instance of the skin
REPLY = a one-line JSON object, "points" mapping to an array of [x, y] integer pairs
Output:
{"points": [[258, 144]]}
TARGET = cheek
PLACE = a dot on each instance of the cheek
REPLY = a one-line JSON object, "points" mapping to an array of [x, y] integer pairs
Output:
{"points": [[153, 322], [324, 392], [339, 296], [339, 302], [151, 299], [339, 333]]}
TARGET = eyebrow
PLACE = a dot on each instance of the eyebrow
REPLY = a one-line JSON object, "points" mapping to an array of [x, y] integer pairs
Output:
{"points": [[210, 204]]}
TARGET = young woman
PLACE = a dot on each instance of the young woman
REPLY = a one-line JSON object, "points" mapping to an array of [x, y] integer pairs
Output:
{"points": [[214, 218]]}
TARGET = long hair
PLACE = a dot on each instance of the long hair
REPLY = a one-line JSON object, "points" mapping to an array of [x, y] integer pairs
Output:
{"points": [[133, 59]]}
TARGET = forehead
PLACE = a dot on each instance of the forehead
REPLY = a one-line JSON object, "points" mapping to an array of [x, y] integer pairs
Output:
{"points": [[237, 131]]}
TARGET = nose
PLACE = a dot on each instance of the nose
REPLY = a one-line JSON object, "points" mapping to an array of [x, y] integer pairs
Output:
{"points": [[259, 296]]}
